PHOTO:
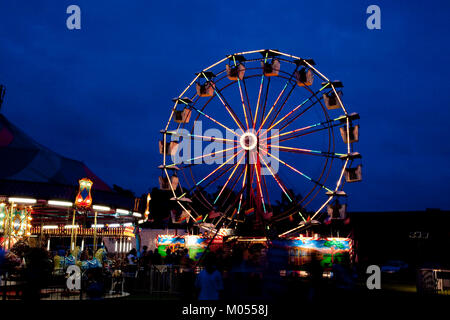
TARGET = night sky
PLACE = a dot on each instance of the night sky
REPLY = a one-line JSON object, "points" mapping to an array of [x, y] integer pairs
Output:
{"points": [[101, 94]]}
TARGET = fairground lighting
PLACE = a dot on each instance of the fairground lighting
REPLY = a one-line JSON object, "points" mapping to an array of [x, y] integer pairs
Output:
{"points": [[59, 203], [122, 211], [69, 226], [50, 227], [22, 200], [101, 208]]}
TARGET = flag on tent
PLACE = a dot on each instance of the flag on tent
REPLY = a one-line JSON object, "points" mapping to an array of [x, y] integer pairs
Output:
{"points": [[181, 218], [214, 214], [198, 219], [249, 212], [185, 216]]}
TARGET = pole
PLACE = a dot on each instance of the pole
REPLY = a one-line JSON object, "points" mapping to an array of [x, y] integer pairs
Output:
{"points": [[9, 225], [72, 245], [41, 234], [75, 239], [249, 182], [95, 232], [258, 210]]}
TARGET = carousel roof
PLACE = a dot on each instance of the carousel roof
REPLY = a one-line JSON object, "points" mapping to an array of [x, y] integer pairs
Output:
{"points": [[24, 159], [31, 169]]}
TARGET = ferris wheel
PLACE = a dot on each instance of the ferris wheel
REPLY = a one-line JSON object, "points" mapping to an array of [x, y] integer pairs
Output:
{"points": [[259, 138]]}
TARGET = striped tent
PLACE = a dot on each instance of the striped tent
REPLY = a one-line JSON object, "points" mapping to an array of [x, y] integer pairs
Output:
{"points": [[23, 159]]}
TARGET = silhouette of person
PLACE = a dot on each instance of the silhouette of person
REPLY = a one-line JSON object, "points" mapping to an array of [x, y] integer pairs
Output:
{"points": [[209, 281]]}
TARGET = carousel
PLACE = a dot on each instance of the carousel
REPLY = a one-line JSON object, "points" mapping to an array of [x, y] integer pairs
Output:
{"points": [[58, 208], [91, 237]]}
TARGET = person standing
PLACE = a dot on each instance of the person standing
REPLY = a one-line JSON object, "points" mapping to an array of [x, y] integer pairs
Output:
{"points": [[209, 280], [156, 258], [131, 257]]}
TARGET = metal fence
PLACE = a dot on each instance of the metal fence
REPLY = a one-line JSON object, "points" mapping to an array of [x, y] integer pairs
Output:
{"points": [[433, 281], [155, 279], [163, 279]]}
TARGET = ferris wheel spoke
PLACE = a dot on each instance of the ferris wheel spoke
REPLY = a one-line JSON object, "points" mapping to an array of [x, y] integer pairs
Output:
{"points": [[229, 109], [276, 179], [203, 138], [242, 191], [266, 95], [323, 125], [276, 101], [281, 107], [202, 156], [318, 100], [226, 105], [212, 172], [308, 151], [297, 135], [299, 172], [287, 122], [236, 180], [258, 180], [267, 190], [196, 98], [215, 121], [297, 108], [248, 102], [275, 104], [224, 170], [229, 178], [244, 107], [260, 90], [233, 209]]}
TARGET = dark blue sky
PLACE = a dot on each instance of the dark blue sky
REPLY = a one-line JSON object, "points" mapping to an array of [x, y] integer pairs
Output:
{"points": [[101, 94]]}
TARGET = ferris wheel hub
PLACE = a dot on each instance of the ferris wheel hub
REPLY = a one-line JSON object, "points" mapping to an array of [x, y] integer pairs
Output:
{"points": [[248, 141]]}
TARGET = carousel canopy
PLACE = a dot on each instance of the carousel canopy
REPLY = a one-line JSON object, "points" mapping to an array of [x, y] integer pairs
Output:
{"points": [[24, 159], [29, 169]]}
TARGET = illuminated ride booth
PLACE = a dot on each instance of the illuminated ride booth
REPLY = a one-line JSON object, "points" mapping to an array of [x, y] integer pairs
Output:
{"points": [[195, 244], [299, 250]]}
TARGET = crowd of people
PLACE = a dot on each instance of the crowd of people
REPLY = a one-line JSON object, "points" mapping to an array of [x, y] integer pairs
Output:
{"points": [[248, 272]]}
